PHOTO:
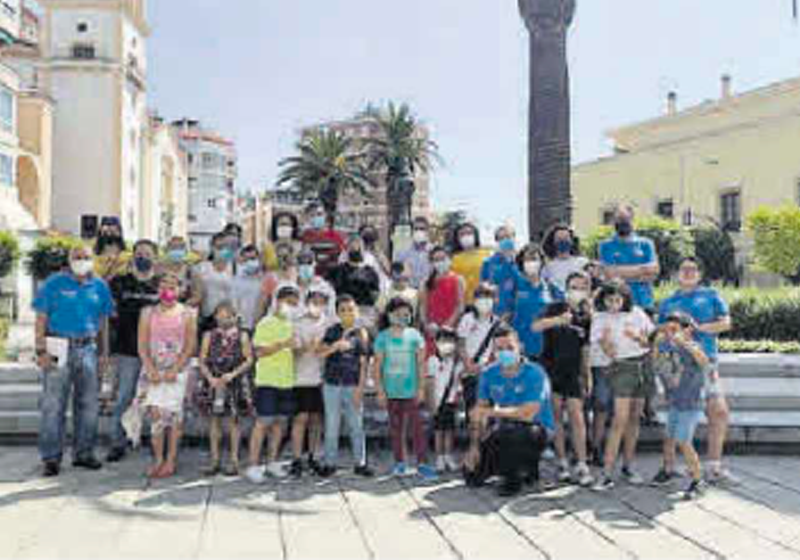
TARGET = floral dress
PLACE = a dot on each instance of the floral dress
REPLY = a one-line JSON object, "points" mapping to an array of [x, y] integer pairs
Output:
{"points": [[226, 354]]}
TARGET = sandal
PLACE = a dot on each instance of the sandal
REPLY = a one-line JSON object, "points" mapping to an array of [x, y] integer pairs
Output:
{"points": [[212, 470], [153, 471], [232, 469]]}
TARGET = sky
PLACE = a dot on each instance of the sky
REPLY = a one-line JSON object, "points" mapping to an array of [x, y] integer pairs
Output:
{"points": [[260, 70]]}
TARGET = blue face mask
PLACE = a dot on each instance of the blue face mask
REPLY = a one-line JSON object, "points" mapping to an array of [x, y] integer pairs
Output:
{"points": [[318, 222], [177, 255], [226, 254], [564, 246], [507, 358], [305, 271], [251, 267], [506, 245], [143, 264]]}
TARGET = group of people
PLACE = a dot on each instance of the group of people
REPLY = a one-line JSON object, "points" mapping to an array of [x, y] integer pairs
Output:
{"points": [[515, 344]]}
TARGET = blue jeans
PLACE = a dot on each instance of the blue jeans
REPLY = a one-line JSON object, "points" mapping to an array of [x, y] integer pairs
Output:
{"points": [[338, 398], [80, 374], [128, 369]]}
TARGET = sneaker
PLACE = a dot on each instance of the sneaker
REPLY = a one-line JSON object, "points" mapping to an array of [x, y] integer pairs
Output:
{"points": [[296, 468], [441, 466], [326, 471], [563, 476], [548, 454], [399, 469], [88, 463], [723, 477], [604, 484], [632, 477], [451, 464], [663, 477], [696, 489], [116, 454], [51, 468], [509, 487], [363, 471], [255, 474], [427, 472], [314, 466], [276, 470], [584, 476]]}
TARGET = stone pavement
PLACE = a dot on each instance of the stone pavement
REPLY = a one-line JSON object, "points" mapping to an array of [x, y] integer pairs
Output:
{"points": [[117, 513]]}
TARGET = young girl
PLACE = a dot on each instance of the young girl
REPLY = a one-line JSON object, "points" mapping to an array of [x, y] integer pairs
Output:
{"points": [[442, 298], [226, 388], [444, 369], [534, 295], [621, 333], [167, 335], [399, 370], [566, 357]]}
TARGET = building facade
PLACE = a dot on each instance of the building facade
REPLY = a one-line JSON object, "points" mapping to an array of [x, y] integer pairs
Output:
{"points": [[719, 160], [10, 20], [212, 168]]}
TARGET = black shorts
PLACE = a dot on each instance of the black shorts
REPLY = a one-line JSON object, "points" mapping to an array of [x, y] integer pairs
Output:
{"points": [[568, 387], [445, 418], [272, 403], [308, 400]]}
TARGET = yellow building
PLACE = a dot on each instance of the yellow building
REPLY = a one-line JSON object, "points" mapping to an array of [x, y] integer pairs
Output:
{"points": [[721, 159]]}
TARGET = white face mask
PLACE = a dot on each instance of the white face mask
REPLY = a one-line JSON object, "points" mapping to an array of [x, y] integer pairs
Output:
{"points": [[576, 297], [447, 348], [284, 232], [82, 267], [467, 241], [532, 268], [484, 305], [420, 236], [314, 310], [288, 311]]}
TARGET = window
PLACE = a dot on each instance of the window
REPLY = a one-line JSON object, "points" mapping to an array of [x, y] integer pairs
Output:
{"points": [[665, 209], [83, 51], [608, 217], [730, 211], [82, 27], [212, 202], [6, 170], [192, 218], [6, 109]]}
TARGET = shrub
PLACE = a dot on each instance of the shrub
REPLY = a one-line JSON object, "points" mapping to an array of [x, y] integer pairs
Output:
{"points": [[9, 253], [716, 252], [758, 347], [50, 255], [776, 236]]}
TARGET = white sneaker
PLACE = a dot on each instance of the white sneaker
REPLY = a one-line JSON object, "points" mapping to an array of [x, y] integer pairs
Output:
{"points": [[548, 454], [276, 470], [632, 477], [722, 476], [255, 474], [584, 476], [451, 463], [564, 475], [441, 465]]}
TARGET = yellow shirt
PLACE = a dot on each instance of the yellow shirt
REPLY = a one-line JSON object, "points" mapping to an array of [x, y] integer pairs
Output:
{"points": [[276, 370], [467, 264]]}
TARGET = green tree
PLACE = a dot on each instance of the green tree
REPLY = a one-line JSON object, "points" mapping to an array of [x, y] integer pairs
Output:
{"points": [[328, 165], [714, 248], [50, 255], [446, 224], [9, 253], [776, 236]]}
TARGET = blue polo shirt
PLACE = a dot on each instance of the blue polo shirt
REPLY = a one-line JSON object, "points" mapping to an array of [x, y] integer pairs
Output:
{"points": [[635, 250], [529, 305], [704, 305], [503, 273], [530, 385], [74, 309]]}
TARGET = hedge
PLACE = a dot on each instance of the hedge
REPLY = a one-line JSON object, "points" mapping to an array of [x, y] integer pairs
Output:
{"points": [[50, 254], [758, 347], [9, 253]]}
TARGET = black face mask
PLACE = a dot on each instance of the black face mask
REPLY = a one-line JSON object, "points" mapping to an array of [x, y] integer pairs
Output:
{"points": [[624, 228], [356, 257], [370, 238]]}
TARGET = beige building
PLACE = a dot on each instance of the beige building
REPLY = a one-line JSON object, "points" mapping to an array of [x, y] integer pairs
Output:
{"points": [[721, 160]]}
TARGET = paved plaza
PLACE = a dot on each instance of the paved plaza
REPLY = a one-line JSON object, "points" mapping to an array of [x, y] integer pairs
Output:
{"points": [[117, 513]]}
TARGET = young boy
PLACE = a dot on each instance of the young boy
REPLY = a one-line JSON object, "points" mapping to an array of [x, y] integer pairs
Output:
{"points": [[274, 343], [682, 367], [345, 349], [400, 287], [444, 369], [399, 373]]}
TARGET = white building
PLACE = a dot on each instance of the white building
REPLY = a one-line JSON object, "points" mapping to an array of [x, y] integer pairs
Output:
{"points": [[211, 164]]}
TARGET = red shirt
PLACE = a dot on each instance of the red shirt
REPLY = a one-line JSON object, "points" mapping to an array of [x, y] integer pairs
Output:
{"points": [[327, 245], [443, 301]]}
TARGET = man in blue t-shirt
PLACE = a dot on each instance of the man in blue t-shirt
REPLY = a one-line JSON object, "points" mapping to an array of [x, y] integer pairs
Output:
{"points": [[711, 313], [501, 270], [512, 420], [631, 258], [72, 311]]}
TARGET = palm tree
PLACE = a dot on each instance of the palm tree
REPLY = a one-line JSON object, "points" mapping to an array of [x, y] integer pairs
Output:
{"points": [[327, 167], [401, 148]]}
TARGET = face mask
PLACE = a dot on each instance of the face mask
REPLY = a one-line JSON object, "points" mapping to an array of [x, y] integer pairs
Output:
{"points": [[177, 255], [446, 348], [284, 232], [225, 254], [143, 264], [532, 268], [442, 267], [400, 320], [251, 267], [484, 305], [356, 257], [563, 246], [370, 238], [305, 271], [506, 245], [82, 267], [288, 311], [507, 358], [318, 222], [168, 296], [420, 236], [624, 228], [576, 297], [347, 319], [314, 310], [227, 324], [467, 241]]}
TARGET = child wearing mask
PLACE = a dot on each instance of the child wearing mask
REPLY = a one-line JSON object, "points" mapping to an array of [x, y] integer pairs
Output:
{"points": [[682, 366], [399, 373], [441, 299], [566, 328], [532, 298], [400, 287], [226, 389], [247, 287], [444, 370]]}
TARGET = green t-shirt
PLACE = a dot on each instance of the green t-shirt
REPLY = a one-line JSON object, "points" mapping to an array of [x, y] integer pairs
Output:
{"points": [[399, 367], [276, 370]]}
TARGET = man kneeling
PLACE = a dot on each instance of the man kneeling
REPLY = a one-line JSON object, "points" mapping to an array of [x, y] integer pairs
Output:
{"points": [[512, 420]]}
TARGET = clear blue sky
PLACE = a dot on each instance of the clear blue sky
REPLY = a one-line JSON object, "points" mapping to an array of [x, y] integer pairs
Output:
{"points": [[258, 70]]}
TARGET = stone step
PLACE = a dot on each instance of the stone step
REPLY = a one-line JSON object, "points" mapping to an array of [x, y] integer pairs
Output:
{"points": [[759, 365]]}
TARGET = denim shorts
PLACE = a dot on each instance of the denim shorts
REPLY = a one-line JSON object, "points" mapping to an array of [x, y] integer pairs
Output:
{"points": [[602, 395], [681, 424], [272, 403]]}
